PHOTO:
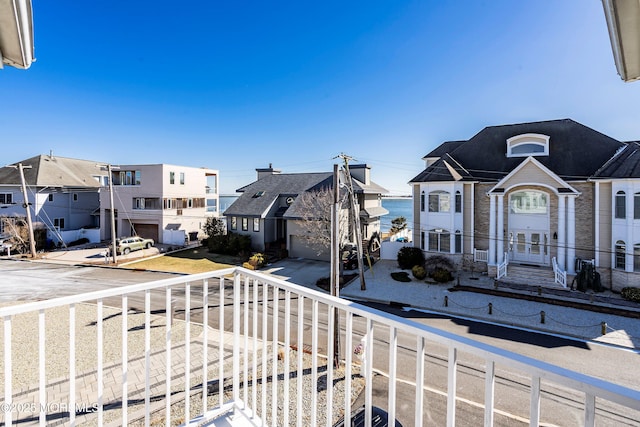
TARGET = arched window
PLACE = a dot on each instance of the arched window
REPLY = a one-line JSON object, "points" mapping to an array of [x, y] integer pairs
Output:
{"points": [[458, 202], [529, 144], [529, 202], [439, 201], [439, 240], [621, 205], [620, 254]]}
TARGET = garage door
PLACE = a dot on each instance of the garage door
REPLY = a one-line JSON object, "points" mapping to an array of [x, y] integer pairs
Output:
{"points": [[299, 248], [148, 231]]}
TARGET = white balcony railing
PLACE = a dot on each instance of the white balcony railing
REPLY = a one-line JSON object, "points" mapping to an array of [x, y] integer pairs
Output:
{"points": [[242, 370]]}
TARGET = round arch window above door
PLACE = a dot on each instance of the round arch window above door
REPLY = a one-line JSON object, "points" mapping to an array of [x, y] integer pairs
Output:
{"points": [[530, 202]]}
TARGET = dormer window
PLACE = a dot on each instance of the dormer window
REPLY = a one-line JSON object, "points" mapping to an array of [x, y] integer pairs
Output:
{"points": [[529, 144]]}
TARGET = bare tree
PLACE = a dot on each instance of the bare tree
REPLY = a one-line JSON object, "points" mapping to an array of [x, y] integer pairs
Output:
{"points": [[314, 210]]}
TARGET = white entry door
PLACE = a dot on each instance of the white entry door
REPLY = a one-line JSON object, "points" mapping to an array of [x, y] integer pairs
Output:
{"points": [[529, 246]]}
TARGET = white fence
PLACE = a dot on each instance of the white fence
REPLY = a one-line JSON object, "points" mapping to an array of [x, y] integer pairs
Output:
{"points": [[247, 309], [68, 236], [174, 237]]}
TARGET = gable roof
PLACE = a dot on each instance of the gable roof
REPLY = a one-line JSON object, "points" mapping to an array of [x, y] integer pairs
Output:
{"points": [[576, 151], [259, 196], [54, 171]]}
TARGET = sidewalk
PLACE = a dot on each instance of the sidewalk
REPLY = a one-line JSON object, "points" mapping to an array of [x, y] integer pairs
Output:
{"points": [[621, 331]]}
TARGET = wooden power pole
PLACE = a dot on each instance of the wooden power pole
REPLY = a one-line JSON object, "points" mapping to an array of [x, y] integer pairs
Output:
{"points": [[355, 217], [32, 242]]}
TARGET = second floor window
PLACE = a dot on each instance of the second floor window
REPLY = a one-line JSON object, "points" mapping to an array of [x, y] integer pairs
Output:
{"points": [[621, 205], [458, 202], [256, 224], [172, 177], [58, 223], [6, 198], [234, 223], [439, 201], [245, 224], [422, 202], [181, 178]]}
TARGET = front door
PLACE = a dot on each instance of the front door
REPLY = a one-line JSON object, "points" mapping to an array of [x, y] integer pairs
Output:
{"points": [[529, 246]]}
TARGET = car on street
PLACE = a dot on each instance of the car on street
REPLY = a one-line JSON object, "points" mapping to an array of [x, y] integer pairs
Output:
{"points": [[125, 245]]}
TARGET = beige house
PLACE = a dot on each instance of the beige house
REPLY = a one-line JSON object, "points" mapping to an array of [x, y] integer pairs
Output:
{"points": [[167, 203], [545, 195]]}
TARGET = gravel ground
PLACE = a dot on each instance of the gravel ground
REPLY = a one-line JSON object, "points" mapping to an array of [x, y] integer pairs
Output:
{"points": [[309, 386], [24, 344]]}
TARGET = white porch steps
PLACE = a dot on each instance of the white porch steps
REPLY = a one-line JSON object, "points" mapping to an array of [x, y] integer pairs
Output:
{"points": [[530, 275]]}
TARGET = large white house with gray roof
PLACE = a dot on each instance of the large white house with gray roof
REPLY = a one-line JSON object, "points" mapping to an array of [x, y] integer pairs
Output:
{"points": [[267, 210], [542, 195]]}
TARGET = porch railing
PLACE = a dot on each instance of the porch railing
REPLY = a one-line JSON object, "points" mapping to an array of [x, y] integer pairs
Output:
{"points": [[560, 276], [480, 255], [502, 267], [243, 366]]}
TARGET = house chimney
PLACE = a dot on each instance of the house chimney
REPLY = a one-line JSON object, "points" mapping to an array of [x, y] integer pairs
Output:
{"points": [[267, 172], [362, 173]]}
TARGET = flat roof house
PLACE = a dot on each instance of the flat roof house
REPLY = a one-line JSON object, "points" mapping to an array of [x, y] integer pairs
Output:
{"points": [[166, 203], [543, 194]]}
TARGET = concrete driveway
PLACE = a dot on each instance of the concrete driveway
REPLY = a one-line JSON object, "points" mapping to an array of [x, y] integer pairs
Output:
{"points": [[304, 272]]}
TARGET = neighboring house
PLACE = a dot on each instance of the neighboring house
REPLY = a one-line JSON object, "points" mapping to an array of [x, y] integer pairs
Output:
{"points": [[63, 194], [166, 203], [535, 192], [267, 210]]}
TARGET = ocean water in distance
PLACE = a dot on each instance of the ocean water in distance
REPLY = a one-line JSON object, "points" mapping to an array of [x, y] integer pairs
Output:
{"points": [[402, 206], [397, 207]]}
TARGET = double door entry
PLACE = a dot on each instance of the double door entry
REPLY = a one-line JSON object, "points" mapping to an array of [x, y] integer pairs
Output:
{"points": [[529, 246]]}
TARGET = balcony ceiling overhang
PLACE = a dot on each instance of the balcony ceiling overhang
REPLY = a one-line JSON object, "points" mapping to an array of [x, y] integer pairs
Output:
{"points": [[16, 33], [623, 21]]}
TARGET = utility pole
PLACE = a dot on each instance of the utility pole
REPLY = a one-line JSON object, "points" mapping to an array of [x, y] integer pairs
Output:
{"points": [[32, 242], [355, 218], [335, 263], [113, 215]]}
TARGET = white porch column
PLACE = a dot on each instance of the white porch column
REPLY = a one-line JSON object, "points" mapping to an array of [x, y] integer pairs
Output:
{"points": [[628, 264], [492, 230], [562, 224], [596, 221], [571, 235], [500, 229]]}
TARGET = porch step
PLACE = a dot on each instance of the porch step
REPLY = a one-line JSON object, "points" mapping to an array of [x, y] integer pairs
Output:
{"points": [[530, 275]]}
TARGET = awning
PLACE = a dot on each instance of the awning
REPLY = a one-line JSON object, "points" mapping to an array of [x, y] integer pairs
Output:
{"points": [[623, 21], [16, 33], [373, 212]]}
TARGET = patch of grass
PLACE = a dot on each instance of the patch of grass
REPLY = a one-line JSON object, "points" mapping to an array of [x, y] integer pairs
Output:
{"points": [[189, 261]]}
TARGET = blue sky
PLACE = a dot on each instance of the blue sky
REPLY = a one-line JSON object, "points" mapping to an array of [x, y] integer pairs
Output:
{"points": [[236, 85]]}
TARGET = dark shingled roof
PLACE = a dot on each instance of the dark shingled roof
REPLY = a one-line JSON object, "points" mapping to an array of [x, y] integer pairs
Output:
{"points": [[273, 186], [444, 148], [576, 152], [53, 171], [626, 164]]}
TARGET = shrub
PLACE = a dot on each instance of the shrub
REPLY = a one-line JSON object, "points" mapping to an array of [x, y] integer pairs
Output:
{"points": [[80, 241], [408, 256], [631, 294], [401, 276], [229, 244], [441, 275], [258, 260], [419, 272]]}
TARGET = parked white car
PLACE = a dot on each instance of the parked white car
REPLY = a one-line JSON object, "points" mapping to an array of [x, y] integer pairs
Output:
{"points": [[124, 245]]}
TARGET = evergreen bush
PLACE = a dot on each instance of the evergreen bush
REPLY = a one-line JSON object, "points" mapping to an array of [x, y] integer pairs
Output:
{"points": [[419, 272], [631, 294], [408, 256]]}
